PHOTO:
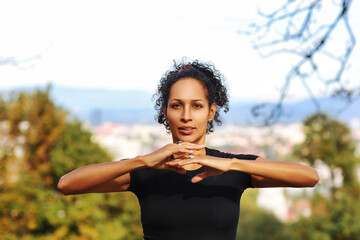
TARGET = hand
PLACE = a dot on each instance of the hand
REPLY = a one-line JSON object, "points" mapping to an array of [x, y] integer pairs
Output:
{"points": [[213, 165], [160, 157]]}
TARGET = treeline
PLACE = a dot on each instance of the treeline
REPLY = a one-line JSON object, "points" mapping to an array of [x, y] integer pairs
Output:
{"points": [[335, 205], [39, 143]]}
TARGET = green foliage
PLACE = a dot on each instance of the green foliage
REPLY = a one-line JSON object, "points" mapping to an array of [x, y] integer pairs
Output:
{"points": [[74, 149], [258, 224], [37, 147], [329, 140], [330, 220], [336, 216], [31, 124], [89, 212]]}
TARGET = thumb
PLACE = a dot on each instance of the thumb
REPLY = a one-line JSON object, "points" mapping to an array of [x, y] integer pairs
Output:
{"points": [[176, 169], [200, 177]]}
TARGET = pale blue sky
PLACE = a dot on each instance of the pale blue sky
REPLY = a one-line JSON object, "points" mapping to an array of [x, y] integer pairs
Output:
{"points": [[130, 44]]}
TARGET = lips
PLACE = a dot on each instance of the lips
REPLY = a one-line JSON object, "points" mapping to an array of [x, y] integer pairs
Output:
{"points": [[186, 130]]}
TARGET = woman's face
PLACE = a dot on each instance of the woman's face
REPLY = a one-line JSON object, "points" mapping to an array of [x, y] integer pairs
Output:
{"points": [[188, 111]]}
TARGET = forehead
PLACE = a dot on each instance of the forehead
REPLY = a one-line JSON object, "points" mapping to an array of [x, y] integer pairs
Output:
{"points": [[188, 88]]}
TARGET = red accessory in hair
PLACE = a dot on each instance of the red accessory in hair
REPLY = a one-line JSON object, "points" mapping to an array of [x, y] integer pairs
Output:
{"points": [[186, 67]]}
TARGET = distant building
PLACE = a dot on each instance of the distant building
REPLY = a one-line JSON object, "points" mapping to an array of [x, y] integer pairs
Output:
{"points": [[96, 117]]}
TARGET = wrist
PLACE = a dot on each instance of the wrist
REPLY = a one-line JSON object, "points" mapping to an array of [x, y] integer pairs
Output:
{"points": [[236, 165], [139, 162]]}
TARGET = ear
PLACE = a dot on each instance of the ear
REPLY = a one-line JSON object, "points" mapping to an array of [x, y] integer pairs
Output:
{"points": [[164, 111], [212, 111]]}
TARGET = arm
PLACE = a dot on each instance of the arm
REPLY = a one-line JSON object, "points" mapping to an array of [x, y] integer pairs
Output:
{"points": [[103, 177], [264, 173], [115, 176]]}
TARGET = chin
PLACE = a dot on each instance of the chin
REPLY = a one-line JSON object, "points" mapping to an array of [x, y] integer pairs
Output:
{"points": [[190, 139], [185, 138]]}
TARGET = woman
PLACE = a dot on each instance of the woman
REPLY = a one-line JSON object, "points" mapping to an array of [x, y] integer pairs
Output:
{"points": [[185, 190]]}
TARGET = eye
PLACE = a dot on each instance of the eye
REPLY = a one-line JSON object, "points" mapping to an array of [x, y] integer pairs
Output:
{"points": [[175, 105], [196, 105]]}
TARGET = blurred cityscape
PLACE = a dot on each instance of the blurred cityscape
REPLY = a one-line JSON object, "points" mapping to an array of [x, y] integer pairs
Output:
{"points": [[275, 142]]}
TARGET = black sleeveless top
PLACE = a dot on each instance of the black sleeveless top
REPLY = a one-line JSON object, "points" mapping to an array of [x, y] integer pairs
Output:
{"points": [[172, 207]]}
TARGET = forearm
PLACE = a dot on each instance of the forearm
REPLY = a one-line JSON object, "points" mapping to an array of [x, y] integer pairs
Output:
{"points": [[89, 176], [277, 173]]}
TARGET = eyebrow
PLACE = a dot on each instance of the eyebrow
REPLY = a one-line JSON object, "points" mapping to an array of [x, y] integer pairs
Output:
{"points": [[193, 100]]}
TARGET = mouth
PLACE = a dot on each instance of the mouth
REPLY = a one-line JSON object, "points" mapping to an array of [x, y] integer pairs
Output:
{"points": [[186, 130]]}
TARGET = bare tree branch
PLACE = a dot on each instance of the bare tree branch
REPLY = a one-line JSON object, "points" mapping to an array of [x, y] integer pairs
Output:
{"points": [[18, 63], [22, 63], [306, 37]]}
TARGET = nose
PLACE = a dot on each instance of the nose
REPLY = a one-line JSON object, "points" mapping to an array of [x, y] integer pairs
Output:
{"points": [[186, 114]]}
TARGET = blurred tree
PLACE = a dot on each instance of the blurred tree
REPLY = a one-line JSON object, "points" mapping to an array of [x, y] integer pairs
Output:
{"points": [[330, 220], [316, 34], [330, 141], [334, 216], [256, 223], [108, 216], [37, 146], [31, 124]]}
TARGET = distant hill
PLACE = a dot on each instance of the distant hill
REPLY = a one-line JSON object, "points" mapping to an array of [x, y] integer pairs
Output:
{"points": [[99, 105]]}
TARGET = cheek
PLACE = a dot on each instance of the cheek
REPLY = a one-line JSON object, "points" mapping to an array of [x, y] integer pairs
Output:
{"points": [[172, 116], [202, 116]]}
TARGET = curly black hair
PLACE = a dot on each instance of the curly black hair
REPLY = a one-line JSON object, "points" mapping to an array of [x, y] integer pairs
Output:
{"points": [[205, 73]]}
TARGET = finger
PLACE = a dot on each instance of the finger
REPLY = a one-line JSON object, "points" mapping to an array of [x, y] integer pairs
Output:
{"points": [[182, 162], [182, 155], [176, 169], [188, 161], [193, 146], [200, 177], [172, 164], [184, 150]]}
